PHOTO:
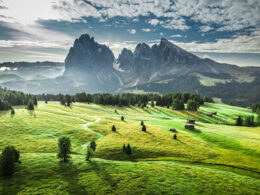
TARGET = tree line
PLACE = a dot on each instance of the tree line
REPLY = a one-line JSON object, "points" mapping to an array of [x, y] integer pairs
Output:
{"points": [[9, 98]]}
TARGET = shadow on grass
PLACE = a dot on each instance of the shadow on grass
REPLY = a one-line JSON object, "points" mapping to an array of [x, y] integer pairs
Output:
{"points": [[104, 175], [69, 174], [9, 186]]}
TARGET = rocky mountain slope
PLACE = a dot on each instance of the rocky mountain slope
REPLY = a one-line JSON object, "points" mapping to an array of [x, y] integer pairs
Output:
{"points": [[91, 67]]}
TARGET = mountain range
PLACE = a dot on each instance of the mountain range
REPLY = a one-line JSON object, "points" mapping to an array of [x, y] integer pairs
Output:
{"points": [[164, 68]]}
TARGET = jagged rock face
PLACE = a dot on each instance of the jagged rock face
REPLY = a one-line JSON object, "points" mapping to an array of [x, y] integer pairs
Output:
{"points": [[90, 66], [126, 60], [86, 55]]}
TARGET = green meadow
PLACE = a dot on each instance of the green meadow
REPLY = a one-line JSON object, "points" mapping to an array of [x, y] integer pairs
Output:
{"points": [[215, 158]]}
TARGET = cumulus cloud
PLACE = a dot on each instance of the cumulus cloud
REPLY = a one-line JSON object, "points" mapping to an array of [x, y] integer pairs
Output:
{"points": [[132, 31], [154, 22], [146, 29], [176, 36]]}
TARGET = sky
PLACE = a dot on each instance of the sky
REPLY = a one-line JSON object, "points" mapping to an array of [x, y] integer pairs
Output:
{"points": [[39, 30]]}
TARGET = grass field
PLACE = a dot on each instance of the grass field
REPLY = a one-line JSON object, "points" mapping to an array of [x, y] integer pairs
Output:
{"points": [[215, 158]]}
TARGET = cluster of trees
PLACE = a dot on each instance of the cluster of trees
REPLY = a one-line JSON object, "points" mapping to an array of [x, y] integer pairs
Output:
{"points": [[256, 107], [127, 149], [8, 158], [124, 99], [10, 98], [65, 149], [249, 121], [178, 100]]}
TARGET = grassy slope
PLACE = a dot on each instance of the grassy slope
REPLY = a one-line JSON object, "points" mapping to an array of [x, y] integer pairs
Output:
{"points": [[215, 158]]}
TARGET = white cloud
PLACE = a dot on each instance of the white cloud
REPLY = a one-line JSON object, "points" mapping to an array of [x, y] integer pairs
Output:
{"points": [[176, 36], [161, 33], [132, 31], [205, 28], [154, 22], [146, 29]]}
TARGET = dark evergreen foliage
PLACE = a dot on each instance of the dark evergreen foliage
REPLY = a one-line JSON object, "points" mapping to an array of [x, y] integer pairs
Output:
{"points": [[30, 105], [128, 150], [113, 128], [239, 121], [64, 148], [144, 128], [7, 160], [122, 118], [174, 136]]}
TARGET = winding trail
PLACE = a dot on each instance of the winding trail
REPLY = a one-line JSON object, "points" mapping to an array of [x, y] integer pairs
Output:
{"points": [[86, 126]]}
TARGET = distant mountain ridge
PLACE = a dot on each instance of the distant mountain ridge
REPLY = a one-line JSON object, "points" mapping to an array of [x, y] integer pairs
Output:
{"points": [[165, 68]]}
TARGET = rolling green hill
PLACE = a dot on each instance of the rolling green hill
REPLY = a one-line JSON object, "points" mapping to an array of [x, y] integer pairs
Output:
{"points": [[215, 158]]}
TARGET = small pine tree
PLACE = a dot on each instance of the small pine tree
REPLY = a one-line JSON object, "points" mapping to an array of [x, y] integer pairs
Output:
{"points": [[35, 101], [12, 111], [128, 150], [64, 148], [124, 148], [115, 111], [46, 101], [122, 118], [93, 146], [30, 105], [174, 136], [239, 121], [152, 103], [16, 154], [7, 161], [144, 128], [142, 123], [113, 128], [89, 154]]}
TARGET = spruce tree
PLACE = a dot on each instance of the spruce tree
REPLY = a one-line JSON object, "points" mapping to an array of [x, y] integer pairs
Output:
{"points": [[144, 128], [7, 161], [124, 148], [128, 150], [122, 118], [64, 148], [239, 121], [35, 101], [89, 154], [30, 105], [12, 111], [113, 128], [174, 136], [93, 146], [152, 103], [142, 123]]}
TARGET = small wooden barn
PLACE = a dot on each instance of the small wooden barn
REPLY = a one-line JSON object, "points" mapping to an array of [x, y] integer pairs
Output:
{"points": [[191, 121], [190, 127], [173, 130]]}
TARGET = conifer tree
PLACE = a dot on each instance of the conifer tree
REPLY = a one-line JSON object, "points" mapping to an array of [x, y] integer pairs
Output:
{"points": [[7, 161], [122, 118], [174, 136], [142, 123], [30, 105], [12, 111], [113, 128], [239, 121], [144, 128], [64, 148], [128, 150]]}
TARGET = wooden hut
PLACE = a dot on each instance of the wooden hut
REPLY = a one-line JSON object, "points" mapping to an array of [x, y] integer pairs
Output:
{"points": [[173, 130], [191, 121], [190, 127]]}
